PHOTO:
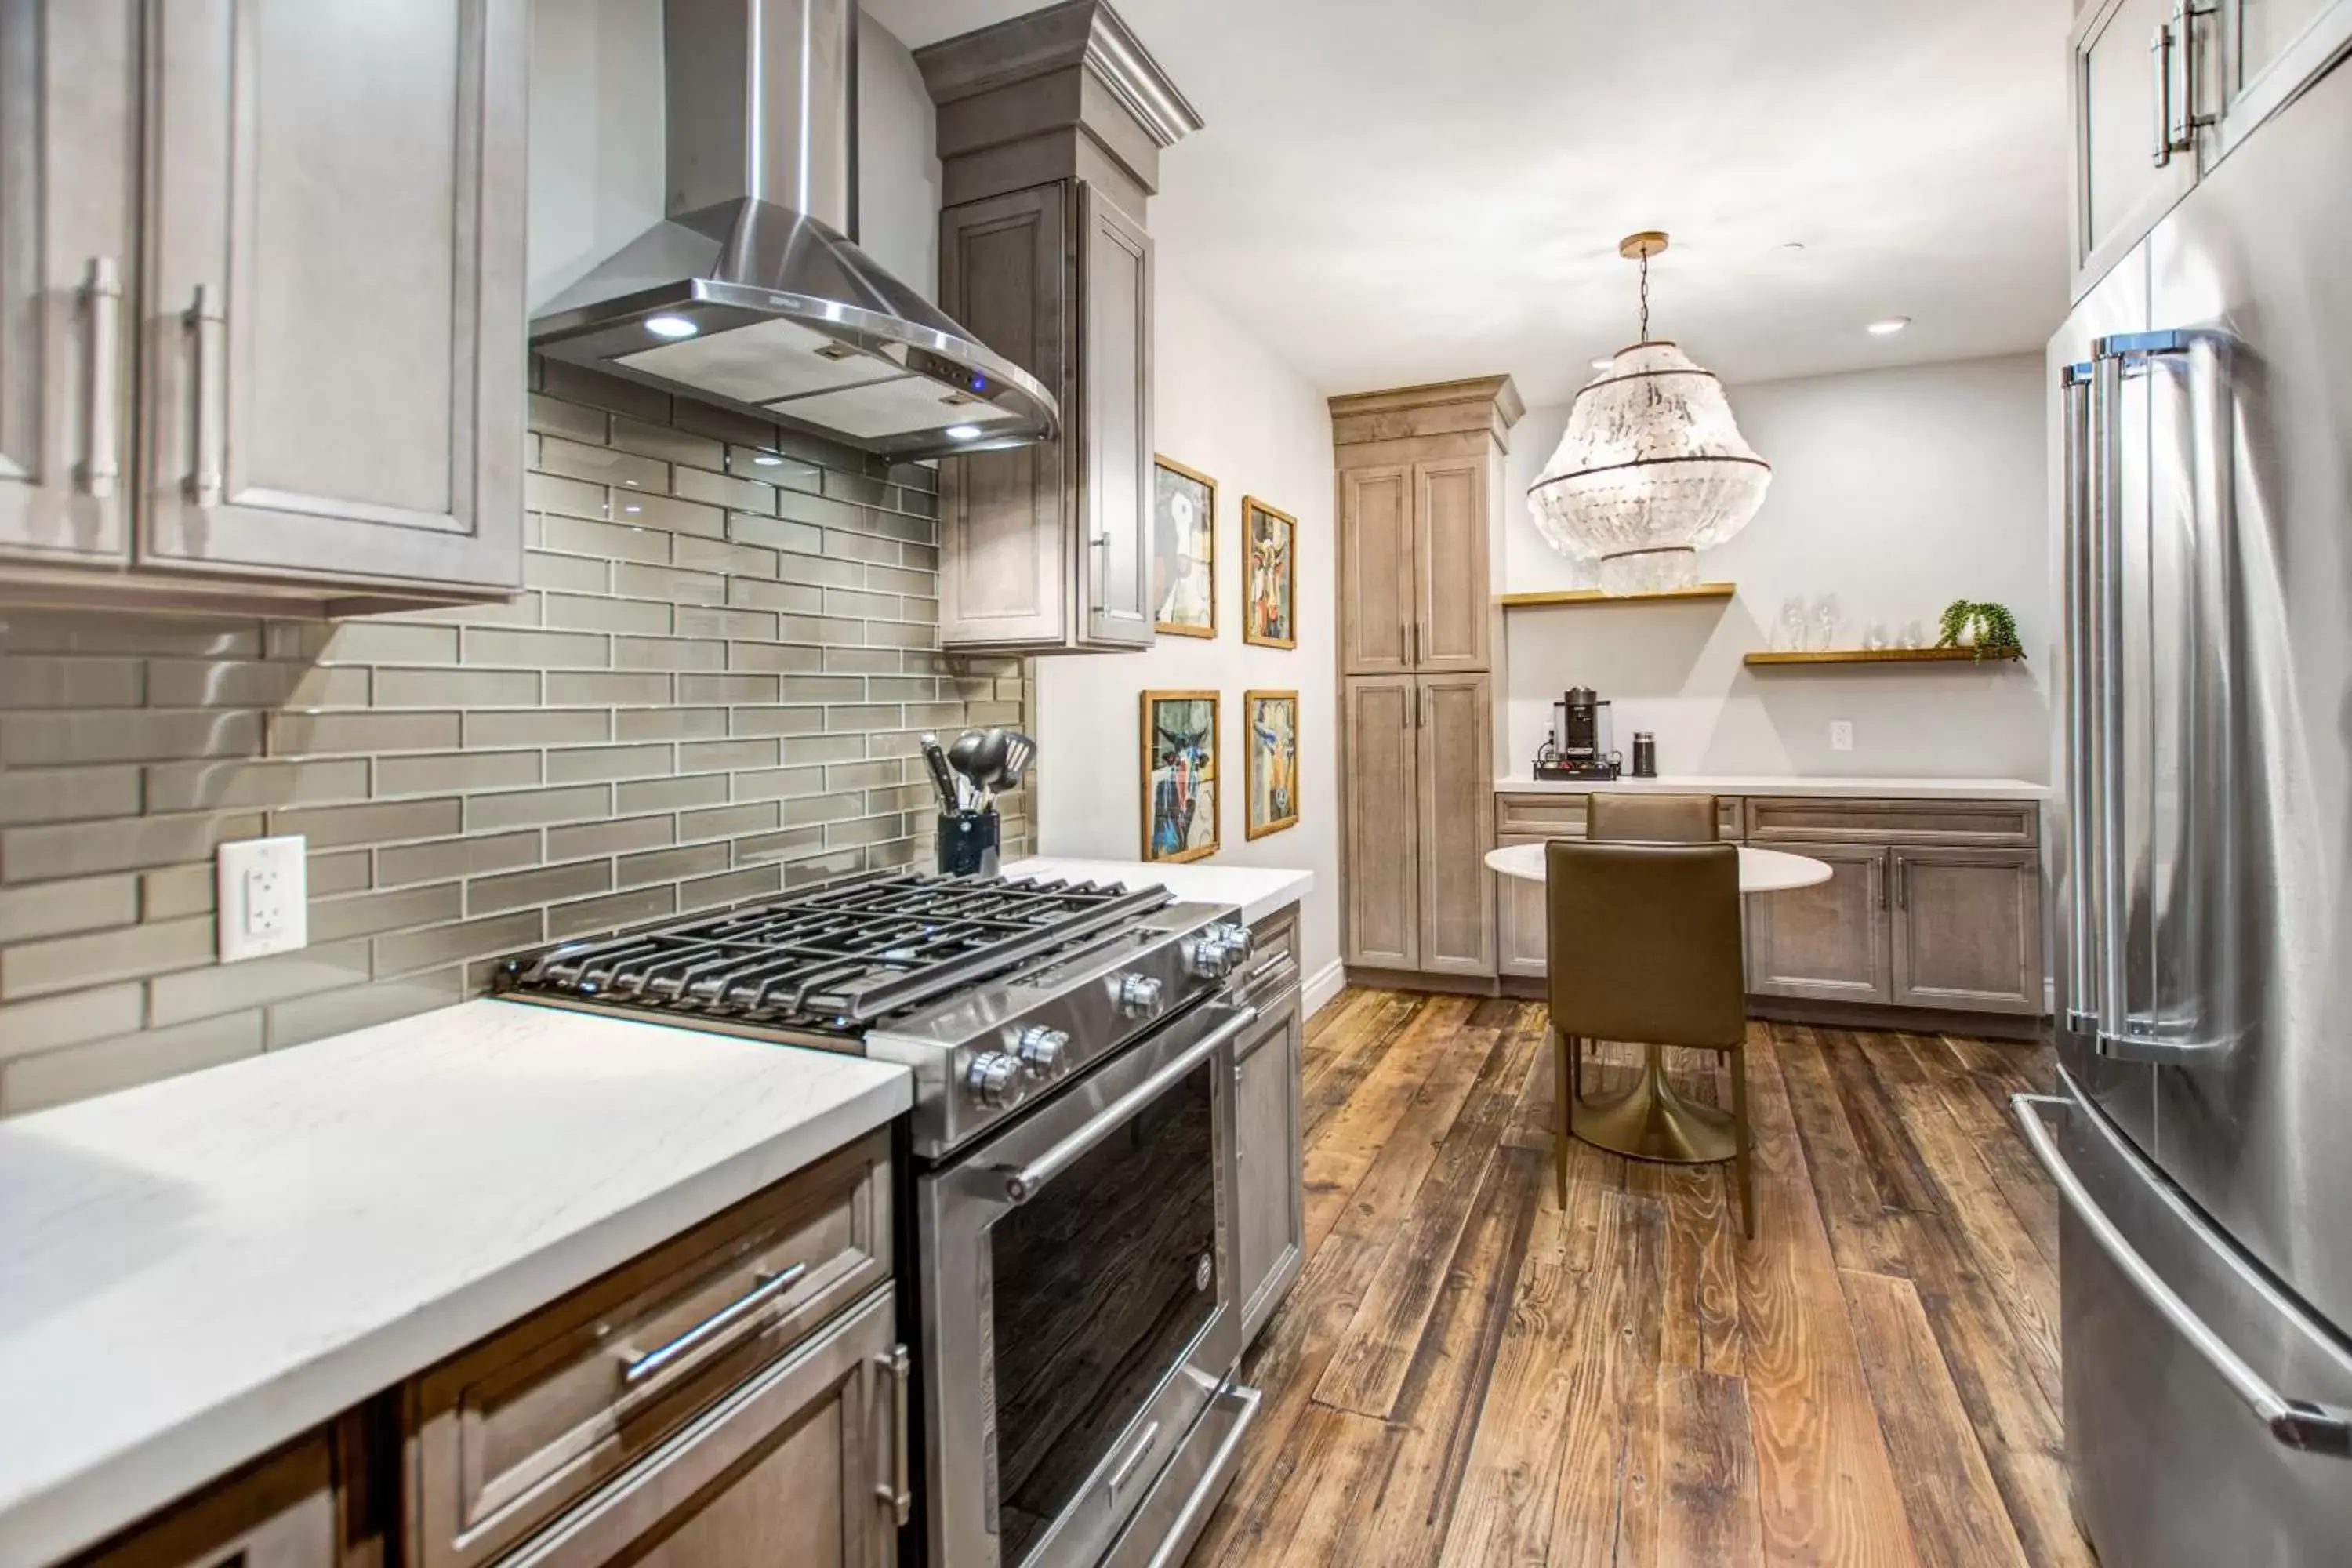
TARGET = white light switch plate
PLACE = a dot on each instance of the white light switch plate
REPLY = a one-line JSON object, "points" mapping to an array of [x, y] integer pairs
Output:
{"points": [[264, 897], [1841, 734]]}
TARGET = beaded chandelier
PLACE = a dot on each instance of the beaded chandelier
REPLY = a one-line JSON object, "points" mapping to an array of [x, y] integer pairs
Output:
{"points": [[1653, 469]]}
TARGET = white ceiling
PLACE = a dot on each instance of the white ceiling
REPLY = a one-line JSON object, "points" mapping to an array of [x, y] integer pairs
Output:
{"points": [[1395, 191]]}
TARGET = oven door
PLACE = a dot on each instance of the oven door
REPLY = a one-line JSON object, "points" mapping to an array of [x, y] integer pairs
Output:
{"points": [[1079, 1276]]}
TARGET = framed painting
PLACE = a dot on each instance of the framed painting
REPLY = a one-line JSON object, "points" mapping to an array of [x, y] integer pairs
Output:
{"points": [[1179, 775], [1270, 743], [1269, 575], [1183, 550]]}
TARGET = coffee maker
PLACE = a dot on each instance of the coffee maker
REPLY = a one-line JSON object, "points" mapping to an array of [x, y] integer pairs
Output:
{"points": [[1583, 744]]}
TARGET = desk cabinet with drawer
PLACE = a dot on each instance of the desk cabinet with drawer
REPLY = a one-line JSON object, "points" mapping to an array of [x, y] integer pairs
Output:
{"points": [[1931, 904]]}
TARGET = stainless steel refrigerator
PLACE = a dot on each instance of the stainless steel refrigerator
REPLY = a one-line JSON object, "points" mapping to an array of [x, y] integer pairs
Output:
{"points": [[2201, 1137]]}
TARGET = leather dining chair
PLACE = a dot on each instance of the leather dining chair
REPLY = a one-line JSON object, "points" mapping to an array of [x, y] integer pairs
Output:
{"points": [[1646, 819], [1644, 945]]}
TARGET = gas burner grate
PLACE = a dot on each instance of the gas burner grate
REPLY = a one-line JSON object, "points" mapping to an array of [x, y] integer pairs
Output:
{"points": [[843, 954]]}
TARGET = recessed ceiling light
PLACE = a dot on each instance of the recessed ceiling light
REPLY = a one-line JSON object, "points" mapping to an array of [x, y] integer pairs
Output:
{"points": [[1792, 245], [1889, 327], [962, 432], [633, 510], [767, 459], [1602, 362], [670, 327]]}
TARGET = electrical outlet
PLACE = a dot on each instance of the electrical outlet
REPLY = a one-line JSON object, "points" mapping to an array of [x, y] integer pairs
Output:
{"points": [[263, 896], [1841, 734]]}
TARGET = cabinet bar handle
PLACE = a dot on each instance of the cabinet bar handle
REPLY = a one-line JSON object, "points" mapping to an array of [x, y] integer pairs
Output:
{"points": [[1098, 574], [1878, 876], [898, 1490], [102, 296], [1902, 885], [2160, 62], [204, 324], [771, 1286]]}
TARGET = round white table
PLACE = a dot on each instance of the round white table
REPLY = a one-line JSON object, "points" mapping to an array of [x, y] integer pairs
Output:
{"points": [[1650, 1120], [1760, 870]]}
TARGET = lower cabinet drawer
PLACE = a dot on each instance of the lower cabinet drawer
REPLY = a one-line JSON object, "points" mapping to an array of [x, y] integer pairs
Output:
{"points": [[513, 1431], [804, 1466]]}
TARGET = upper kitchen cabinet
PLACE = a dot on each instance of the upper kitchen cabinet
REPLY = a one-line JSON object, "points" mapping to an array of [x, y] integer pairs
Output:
{"points": [[2164, 90], [1050, 129], [316, 324], [2129, 164], [1420, 487], [69, 225]]}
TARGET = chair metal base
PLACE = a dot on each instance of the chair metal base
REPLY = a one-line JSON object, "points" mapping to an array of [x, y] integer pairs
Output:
{"points": [[1651, 1121]]}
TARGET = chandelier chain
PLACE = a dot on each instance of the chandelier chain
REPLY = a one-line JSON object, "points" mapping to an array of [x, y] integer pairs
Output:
{"points": [[1644, 336]]}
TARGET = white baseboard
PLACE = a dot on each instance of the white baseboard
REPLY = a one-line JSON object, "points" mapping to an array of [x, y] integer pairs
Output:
{"points": [[1322, 985]]}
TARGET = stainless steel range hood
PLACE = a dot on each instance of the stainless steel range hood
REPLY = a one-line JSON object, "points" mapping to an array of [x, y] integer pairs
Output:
{"points": [[750, 295]]}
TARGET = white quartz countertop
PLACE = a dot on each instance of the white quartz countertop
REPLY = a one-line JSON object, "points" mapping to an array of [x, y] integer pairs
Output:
{"points": [[1785, 784], [1259, 890], [196, 1270]]}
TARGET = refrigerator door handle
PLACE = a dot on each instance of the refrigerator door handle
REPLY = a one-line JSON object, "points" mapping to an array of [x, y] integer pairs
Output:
{"points": [[2298, 1424], [2116, 1032], [2083, 978]]}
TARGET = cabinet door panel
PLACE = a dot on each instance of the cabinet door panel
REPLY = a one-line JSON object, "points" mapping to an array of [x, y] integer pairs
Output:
{"points": [[2119, 188], [1115, 437], [2259, 54], [1450, 603], [1968, 930], [335, 384], [1522, 921], [68, 200], [279, 1513], [1383, 822], [1271, 1243], [1376, 566], [1006, 547], [1827, 941], [1456, 777]]}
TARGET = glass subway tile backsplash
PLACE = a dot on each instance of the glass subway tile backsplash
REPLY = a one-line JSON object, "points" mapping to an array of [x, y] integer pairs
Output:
{"points": [[708, 692]]}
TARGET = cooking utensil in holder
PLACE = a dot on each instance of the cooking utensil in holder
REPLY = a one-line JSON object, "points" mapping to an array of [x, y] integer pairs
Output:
{"points": [[968, 842]]}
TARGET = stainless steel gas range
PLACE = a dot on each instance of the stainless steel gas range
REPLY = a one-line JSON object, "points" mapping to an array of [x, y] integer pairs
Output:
{"points": [[1070, 1211]]}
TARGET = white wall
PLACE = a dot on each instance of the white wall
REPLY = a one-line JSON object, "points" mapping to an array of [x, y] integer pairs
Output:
{"points": [[1896, 490], [597, 142], [1225, 406]]}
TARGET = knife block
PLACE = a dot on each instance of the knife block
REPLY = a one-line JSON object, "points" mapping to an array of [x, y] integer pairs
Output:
{"points": [[968, 843]]}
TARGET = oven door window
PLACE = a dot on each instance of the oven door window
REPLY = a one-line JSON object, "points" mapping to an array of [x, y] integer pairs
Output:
{"points": [[1102, 1282]]}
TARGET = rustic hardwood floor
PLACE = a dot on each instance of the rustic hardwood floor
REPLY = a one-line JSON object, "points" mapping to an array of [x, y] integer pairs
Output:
{"points": [[1466, 1372]]}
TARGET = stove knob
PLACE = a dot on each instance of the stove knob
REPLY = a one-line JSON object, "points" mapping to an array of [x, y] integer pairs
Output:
{"points": [[1040, 1048], [1138, 995], [1238, 940], [1207, 955], [994, 1079]]}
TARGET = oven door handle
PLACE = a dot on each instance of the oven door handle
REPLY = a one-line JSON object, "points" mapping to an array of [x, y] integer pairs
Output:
{"points": [[1022, 1183]]}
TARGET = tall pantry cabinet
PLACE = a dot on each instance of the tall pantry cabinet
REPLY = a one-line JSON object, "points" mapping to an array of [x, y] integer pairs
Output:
{"points": [[1419, 512]]}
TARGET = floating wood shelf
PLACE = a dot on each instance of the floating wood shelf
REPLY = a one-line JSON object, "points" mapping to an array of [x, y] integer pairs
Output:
{"points": [[1891, 655], [1595, 596]]}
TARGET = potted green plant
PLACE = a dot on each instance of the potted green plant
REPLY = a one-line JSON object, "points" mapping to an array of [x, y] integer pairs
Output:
{"points": [[1987, 627]]}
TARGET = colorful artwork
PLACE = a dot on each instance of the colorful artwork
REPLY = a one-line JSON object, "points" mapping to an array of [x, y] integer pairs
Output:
{"points": [[1183, 550], [1271, 720], [1269, 575], [1179, 775]]}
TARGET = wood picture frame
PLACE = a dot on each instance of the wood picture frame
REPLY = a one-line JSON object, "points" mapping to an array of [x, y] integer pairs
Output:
{"points": [[1182, 579], [1270, 761], [1269, 575], [1180, 783]]}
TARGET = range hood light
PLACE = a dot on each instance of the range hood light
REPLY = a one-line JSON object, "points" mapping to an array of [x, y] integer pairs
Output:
{"points": [[670, 327], [962, 432]]}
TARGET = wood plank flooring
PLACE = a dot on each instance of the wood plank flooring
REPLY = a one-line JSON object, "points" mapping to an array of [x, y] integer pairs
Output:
{"points": [[1468, 1372]]}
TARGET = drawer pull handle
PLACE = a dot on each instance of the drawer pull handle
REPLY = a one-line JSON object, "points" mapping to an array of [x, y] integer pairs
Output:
{"points": [[898, 1490], [772, 1284]]}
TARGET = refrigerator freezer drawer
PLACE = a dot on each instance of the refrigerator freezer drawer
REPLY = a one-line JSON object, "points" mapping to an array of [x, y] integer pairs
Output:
{"points": [[2173, 1465]]}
